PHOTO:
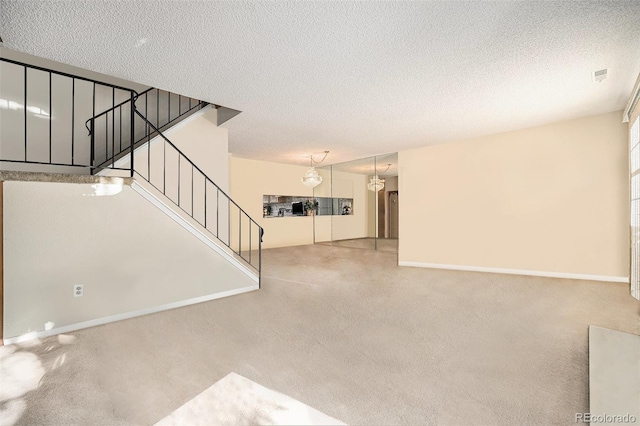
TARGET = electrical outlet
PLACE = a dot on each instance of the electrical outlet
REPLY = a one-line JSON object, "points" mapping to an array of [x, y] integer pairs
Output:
{"points": [[78, 290]]}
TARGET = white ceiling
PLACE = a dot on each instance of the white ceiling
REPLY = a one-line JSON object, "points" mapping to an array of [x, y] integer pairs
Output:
{"points": [[382, 165], [355, 78]]}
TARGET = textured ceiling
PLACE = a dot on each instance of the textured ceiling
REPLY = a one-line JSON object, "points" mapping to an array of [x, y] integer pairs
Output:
{"points": [[382, 165], [355, 78]]}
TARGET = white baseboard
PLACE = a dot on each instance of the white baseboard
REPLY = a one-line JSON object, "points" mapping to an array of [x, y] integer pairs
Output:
{"points": [[126, 315], [516, 272]]}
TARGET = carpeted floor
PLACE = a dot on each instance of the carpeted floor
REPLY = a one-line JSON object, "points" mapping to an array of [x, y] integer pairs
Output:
{"points": [[353, 336]]}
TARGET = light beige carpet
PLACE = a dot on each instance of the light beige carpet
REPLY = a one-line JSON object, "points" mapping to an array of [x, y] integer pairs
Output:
{"points": [[345, 331], [236, 400]]}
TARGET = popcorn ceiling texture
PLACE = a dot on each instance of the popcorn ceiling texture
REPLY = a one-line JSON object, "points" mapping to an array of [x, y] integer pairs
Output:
{"points": [[355, 78]]}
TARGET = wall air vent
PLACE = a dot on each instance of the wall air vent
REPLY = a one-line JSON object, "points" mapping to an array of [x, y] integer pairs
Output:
{"points": [[600, 75]]}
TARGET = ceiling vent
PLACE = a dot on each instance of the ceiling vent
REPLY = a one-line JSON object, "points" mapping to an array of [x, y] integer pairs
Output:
{"points": [[600, 75]]}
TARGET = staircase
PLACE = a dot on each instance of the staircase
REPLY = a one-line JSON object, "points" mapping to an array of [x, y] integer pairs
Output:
{"points": [[75, 125], [110, 132]]}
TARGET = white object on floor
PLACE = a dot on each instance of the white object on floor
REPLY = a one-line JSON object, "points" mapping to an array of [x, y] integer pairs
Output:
{"points": [[614, 376], [236, 400]]}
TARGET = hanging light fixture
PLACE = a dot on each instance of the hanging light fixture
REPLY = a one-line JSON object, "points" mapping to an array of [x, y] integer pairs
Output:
{"points": [[375, 183], [311, 178]]}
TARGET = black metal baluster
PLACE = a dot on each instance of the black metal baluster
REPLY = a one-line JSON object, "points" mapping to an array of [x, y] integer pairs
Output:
{"points": [[25, 113], [120, 138], [131, 130], [113, 128], [239, 232], [158, 109], [250, 240], [205, 201], [169, 107], [148, 154], [73, 120], [93, 145], [146, 110], [191, 190], [164, 168], [260, 257], [106, 137], [93, 139], [179, 176], [217, 212]]}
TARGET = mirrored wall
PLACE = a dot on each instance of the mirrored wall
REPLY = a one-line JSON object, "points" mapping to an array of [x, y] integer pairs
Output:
{"points": [[366, 214]]}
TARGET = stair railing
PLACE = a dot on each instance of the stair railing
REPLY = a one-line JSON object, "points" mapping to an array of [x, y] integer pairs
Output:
{"points": [[51, 116], [108, 146], [169, 179], [114, 115]]}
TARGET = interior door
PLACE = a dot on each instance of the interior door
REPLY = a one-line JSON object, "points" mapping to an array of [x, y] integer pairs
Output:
{"points": [[393, 214]]}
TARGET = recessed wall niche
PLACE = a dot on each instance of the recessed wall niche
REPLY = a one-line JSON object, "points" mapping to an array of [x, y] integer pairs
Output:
{"points": [[289, 206]]}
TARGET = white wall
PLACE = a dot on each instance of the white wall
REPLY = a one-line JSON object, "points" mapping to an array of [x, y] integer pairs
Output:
{"points": [[552, 198], [128, 254]]}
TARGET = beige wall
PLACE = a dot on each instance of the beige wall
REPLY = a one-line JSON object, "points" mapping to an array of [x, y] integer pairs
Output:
{"points": [[206, 145], [552, 198], [391, 183], [251, 179], [128, 254]]}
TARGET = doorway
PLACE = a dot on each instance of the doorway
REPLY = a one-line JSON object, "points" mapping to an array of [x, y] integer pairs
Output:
{"points": [[392, 219]]}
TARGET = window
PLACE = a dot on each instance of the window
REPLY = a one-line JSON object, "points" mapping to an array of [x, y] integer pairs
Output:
{"points": [[634, 157]]}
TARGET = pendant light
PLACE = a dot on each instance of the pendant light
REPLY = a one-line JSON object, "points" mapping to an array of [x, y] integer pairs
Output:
{"points": [[311, 178], [375, 183]]}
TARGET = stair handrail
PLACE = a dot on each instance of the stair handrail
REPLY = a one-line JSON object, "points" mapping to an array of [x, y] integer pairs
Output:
{"points": [[135, 98], [77, 77], [91, 122], [208, 179], [155, 129], [26, 66]]}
